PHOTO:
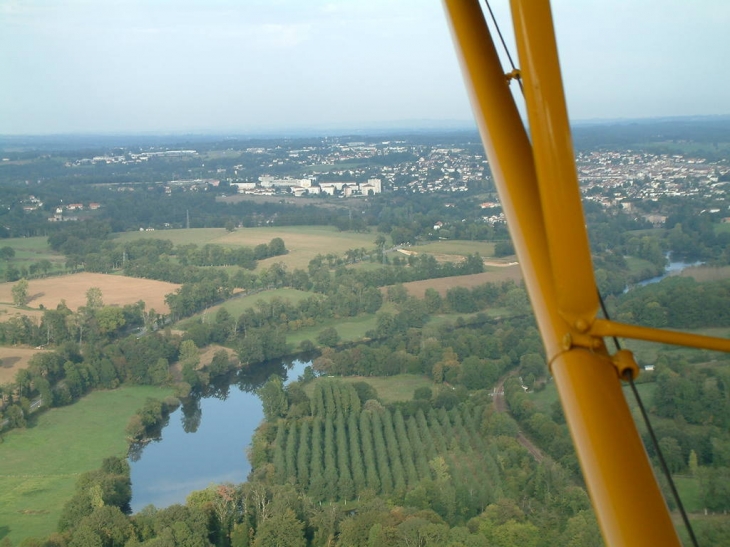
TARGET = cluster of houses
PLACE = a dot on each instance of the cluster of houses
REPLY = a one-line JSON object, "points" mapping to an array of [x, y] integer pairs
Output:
{"points": [[496, 216], [620, 178], [130, 158], [268, 185], [61, 213]]}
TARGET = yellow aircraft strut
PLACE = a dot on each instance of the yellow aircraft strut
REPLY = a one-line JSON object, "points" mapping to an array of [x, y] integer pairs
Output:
{"points": [[538, 187]]}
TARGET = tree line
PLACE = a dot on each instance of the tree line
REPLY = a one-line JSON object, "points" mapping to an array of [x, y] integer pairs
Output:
{"points": [[675, 302]]}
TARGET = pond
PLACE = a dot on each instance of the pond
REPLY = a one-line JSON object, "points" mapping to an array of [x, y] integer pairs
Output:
{"points": [[205, 440]]}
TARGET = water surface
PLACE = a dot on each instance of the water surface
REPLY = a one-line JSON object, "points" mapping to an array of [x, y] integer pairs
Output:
{"points": [[205, 440]]}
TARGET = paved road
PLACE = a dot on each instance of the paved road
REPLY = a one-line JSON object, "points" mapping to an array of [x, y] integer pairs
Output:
{"points": [[500, 405]]}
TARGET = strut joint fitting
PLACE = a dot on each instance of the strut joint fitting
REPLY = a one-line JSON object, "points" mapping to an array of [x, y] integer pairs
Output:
{"points": [[513, 75], [625, 364]]}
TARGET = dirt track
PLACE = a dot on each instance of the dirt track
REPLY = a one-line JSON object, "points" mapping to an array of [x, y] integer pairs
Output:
{"points": [[500, 405]]}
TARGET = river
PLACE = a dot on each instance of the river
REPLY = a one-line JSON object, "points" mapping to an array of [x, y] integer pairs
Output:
{"points": [[205, 440], [673, 268]]}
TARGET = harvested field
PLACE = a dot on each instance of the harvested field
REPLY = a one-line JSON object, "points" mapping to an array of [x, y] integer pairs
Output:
{"points": [[306, 242], [12, 360], [8, 310], [457, 259], [115, 289], [457, 254], [302, 242], [496, 275]]}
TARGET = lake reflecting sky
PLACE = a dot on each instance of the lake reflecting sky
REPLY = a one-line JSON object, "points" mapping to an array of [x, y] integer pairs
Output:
{"points": [[181, 462]]}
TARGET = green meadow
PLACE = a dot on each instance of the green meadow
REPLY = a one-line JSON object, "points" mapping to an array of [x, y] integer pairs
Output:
{"points": [[238, 304], [29, 250], [40, 464], [350, 329]]}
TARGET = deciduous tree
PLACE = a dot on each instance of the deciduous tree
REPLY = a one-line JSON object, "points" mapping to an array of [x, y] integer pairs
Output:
{"points": [[94, 299], [273, 398], [6, 253], [281, 530], [328, 337], [20, 293]]}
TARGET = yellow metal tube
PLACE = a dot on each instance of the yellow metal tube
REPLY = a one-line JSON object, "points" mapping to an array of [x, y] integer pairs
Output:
{"points": [[625, 495], [603, 328], [572, 268], [628, 502], [510, 159]]}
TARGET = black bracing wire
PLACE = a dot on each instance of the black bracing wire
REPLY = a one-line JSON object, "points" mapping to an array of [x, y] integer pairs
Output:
{"points": [[662, 462], [605, 314], [629, 377], [504, 44]]}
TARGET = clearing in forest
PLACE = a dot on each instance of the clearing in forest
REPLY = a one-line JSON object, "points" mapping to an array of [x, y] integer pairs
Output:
{"points": [[707, 273]]}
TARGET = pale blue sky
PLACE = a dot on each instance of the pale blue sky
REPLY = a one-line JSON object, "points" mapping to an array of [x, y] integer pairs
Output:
{"points": [[69, 66]]}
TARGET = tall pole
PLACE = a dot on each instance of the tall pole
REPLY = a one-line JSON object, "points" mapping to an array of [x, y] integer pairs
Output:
{"points": [[556, 265]]}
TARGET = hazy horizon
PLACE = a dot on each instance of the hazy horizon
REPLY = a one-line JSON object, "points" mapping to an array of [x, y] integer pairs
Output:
{"points": [[370, 130]]}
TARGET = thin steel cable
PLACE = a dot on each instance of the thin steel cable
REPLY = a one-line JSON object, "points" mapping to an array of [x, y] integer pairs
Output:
{"points": [[605, 314], [629, 377], [504, 44], [662, 462]]}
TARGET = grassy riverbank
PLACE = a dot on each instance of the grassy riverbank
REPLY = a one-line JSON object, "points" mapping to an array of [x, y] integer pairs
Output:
{"points": [[40, 464]]}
